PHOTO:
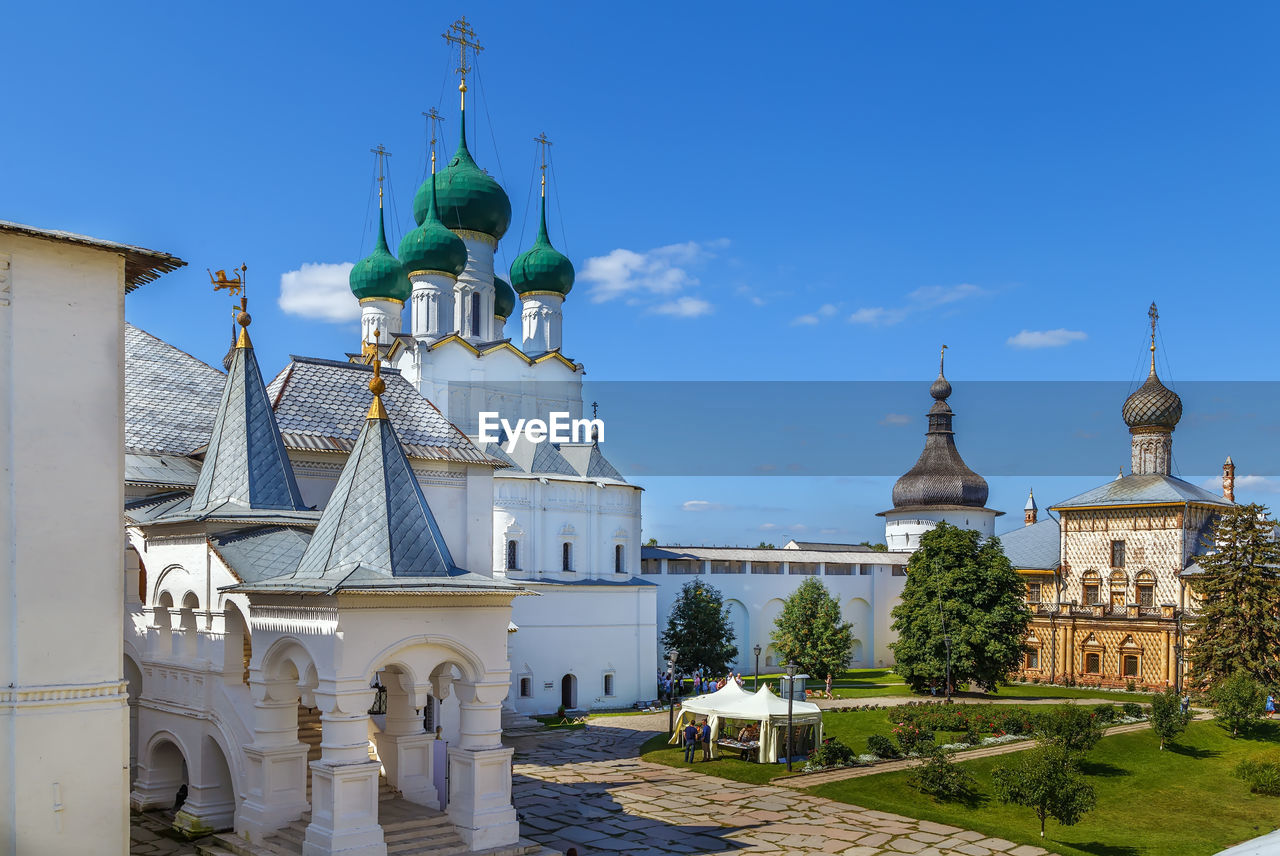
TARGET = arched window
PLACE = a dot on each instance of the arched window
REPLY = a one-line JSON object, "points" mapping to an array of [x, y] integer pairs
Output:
{"points": [[617, 559], [566, 555], [1146, 589], [475, 313], [511, 555]]}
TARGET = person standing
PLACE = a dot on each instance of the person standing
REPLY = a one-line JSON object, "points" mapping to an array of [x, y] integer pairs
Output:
{"points": [[690, 741], [705, 735], [1271, 705], [1186, 703]]}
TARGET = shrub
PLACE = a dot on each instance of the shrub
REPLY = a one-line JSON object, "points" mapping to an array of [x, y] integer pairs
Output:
{"points": [[911, 737], [1131, 709], [1074, 728], [1261, 772], [1167, 718], [1035, 680], [832, 753], [940, 777], [881, 746], [1106, 713], [1045, 780], [1238, 700], [1129, 685]]}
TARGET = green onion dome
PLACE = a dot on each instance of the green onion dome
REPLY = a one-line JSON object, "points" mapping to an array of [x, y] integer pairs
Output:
{"points": [[542, 267], [468, 198], [504, 298], [379, 275], [431, 246]]}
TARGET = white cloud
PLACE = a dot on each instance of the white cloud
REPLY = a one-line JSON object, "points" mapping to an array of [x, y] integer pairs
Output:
{"points": [[896, 419], [923, 298], [1046, 338], [796, 528], [1244, 485], [319, 291], [656, 278], [703, 505], [826, 310], [804, 319], [683, 307]]}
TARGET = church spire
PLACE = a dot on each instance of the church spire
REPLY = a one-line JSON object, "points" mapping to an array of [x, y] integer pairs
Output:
{"points": [[246, 466]]}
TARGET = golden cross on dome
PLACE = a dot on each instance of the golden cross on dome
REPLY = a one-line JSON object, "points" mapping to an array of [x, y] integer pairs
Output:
{"points": [[461, 34], [382, 154], [1154, 316], [543, 145], [433, 123]]}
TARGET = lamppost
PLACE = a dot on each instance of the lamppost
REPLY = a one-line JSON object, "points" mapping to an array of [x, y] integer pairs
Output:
{"points": [[755, 681], [946, 640], [671, 701], [791, 668]]}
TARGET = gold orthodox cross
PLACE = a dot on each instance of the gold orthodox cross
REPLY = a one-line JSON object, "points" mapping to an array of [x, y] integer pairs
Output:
{"points": [[461, 34], [382, 154], [433, 123], [543, 145]]}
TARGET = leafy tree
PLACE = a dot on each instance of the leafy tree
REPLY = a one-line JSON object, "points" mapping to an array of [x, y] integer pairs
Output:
{"points": [[958, 580], [1046, 780], [1238, 700], [810, 632], [765, 546], [652, 542], [875, 548], [940, 777], [1073, 728], [1238, 626], [699, 630], [1167, 718]]}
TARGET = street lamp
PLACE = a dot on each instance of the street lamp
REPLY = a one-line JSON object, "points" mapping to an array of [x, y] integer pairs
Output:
{"points": [[671, 703], [791, 668], [946, 637], [755, 681]]}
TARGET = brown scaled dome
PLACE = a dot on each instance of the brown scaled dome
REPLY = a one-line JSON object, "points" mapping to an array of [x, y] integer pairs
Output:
{"points": [[1152, 405], [940, 476]]}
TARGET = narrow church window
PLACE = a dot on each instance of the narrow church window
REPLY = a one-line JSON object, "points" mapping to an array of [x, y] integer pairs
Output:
{"points": [[1130, 665], [475, 313], [608, 684], [566, 557], [526, 688], [1117, 554], [511, 556], [1093, 663], [1033, 592], [1091, 593], [1146, 595], [617, 561], [1033, 658]]}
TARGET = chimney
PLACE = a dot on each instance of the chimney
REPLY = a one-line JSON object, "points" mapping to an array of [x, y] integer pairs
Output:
{"points": [[1029, 510], [1229, 480]]}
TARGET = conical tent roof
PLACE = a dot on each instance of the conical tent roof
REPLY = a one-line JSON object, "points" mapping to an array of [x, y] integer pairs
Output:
{"points": [[246, 463]]}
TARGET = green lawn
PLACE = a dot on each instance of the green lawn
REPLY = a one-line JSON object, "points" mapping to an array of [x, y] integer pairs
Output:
{"points": [[655, 749], [1044, 691], [1179, 802]]}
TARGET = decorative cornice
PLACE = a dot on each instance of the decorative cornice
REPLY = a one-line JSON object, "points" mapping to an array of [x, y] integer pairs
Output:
{"points": [[542, 294], [62, 695], [293, 619], [483, 237], [394, 300], [444, 273]]}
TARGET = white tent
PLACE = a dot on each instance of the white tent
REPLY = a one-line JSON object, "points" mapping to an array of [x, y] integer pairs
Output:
{"points": [[763, 707]]}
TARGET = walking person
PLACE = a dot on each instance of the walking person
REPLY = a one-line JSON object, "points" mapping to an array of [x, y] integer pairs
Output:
{"points": [[690, 741], [1186, 703], [705, 735], [1270, 707]]}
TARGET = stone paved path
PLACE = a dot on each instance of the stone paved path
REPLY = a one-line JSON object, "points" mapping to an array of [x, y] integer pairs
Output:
{"points": [[586, 789], [147, 837]]}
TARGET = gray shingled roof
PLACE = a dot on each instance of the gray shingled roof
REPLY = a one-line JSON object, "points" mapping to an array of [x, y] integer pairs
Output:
{"points": [[261, 552], [161, 470], [140, 264], [320, 405], [584, 460], [1037, 547], [753, 554], [246, 461], [170, 397], [830, 546], [1143, 490], [377, 531], [147, 508]]}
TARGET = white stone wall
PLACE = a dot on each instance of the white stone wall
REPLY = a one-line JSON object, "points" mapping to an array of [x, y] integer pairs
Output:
{"points": [[902, 529], [63, 714]]}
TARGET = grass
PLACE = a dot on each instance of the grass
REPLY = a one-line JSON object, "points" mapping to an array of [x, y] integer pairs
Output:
{"points": [[1179, 802], [1046, 691], [655, 749], [558, 722]]}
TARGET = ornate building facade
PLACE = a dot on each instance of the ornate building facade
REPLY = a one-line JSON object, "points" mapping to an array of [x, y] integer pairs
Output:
{"points": [[1106, 580]]}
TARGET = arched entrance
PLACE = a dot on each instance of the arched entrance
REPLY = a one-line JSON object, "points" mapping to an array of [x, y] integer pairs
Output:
{"points": [[162, 772], [569, 692]]}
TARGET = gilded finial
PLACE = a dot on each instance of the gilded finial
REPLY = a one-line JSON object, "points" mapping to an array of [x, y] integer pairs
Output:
{"points": [[377, 385], [433, 122], [236, 286], [461, 34], [1154, 316]]}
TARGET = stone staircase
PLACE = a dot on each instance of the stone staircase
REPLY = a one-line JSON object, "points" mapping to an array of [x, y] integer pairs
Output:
{"points": [[407, 828], [516, 724]]}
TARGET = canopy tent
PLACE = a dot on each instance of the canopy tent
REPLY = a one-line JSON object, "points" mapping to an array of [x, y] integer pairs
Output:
{"points": [[763, 707]]}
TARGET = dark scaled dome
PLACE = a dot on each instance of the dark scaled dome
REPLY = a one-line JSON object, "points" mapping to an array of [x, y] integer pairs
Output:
{"points": [[467, 197], [1152, 405], [940, 476], [432, 246], [504, 298]]}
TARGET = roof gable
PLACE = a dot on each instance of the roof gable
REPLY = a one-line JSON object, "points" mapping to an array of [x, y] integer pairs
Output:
{"points": [[1154, 489]]}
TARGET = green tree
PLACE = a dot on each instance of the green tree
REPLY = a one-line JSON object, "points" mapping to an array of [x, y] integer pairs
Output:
{"points": [[699, 631], [1238, 626], [765, 546], [1072, 727], [652, 542], [966, 584], [811, 633], [1045, 780], [940, 777], [1238, 701], [1167, 718]]}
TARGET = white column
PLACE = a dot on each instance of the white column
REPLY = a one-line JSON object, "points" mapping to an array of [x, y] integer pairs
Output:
{"points": [[431, 314], [477, 277], [275, 763], [381, 315], [480, 768], [405, 748], [541, 319], [344, 782]]}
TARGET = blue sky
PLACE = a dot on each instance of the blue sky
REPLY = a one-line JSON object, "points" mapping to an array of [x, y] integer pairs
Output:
{"points": [[825, 193]]}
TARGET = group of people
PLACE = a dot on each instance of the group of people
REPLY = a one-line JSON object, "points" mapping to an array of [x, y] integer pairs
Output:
{"points": [[696, 734], [700, 683]]}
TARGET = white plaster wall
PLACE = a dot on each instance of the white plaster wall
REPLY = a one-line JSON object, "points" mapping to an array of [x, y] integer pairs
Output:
{"points": [[902, 529], [63, 761]]}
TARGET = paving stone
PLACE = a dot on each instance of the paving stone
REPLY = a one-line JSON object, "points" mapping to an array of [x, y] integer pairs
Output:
{"points": [[997, 844]]}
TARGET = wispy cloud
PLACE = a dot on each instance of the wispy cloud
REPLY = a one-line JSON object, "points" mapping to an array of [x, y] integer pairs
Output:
{"points": [[656, 279], [699, 505], [1244, 485], [749, 293], [1046, 338], [896, 419], [826, 310], [319, 291], [922, 299]]}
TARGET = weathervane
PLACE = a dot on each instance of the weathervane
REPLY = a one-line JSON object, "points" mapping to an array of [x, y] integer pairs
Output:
{"points": [[234, 285], [461, 34], [382, 154]]}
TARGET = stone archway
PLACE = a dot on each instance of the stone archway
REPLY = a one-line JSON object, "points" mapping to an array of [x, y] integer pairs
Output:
{"points": [[162, 773]]}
